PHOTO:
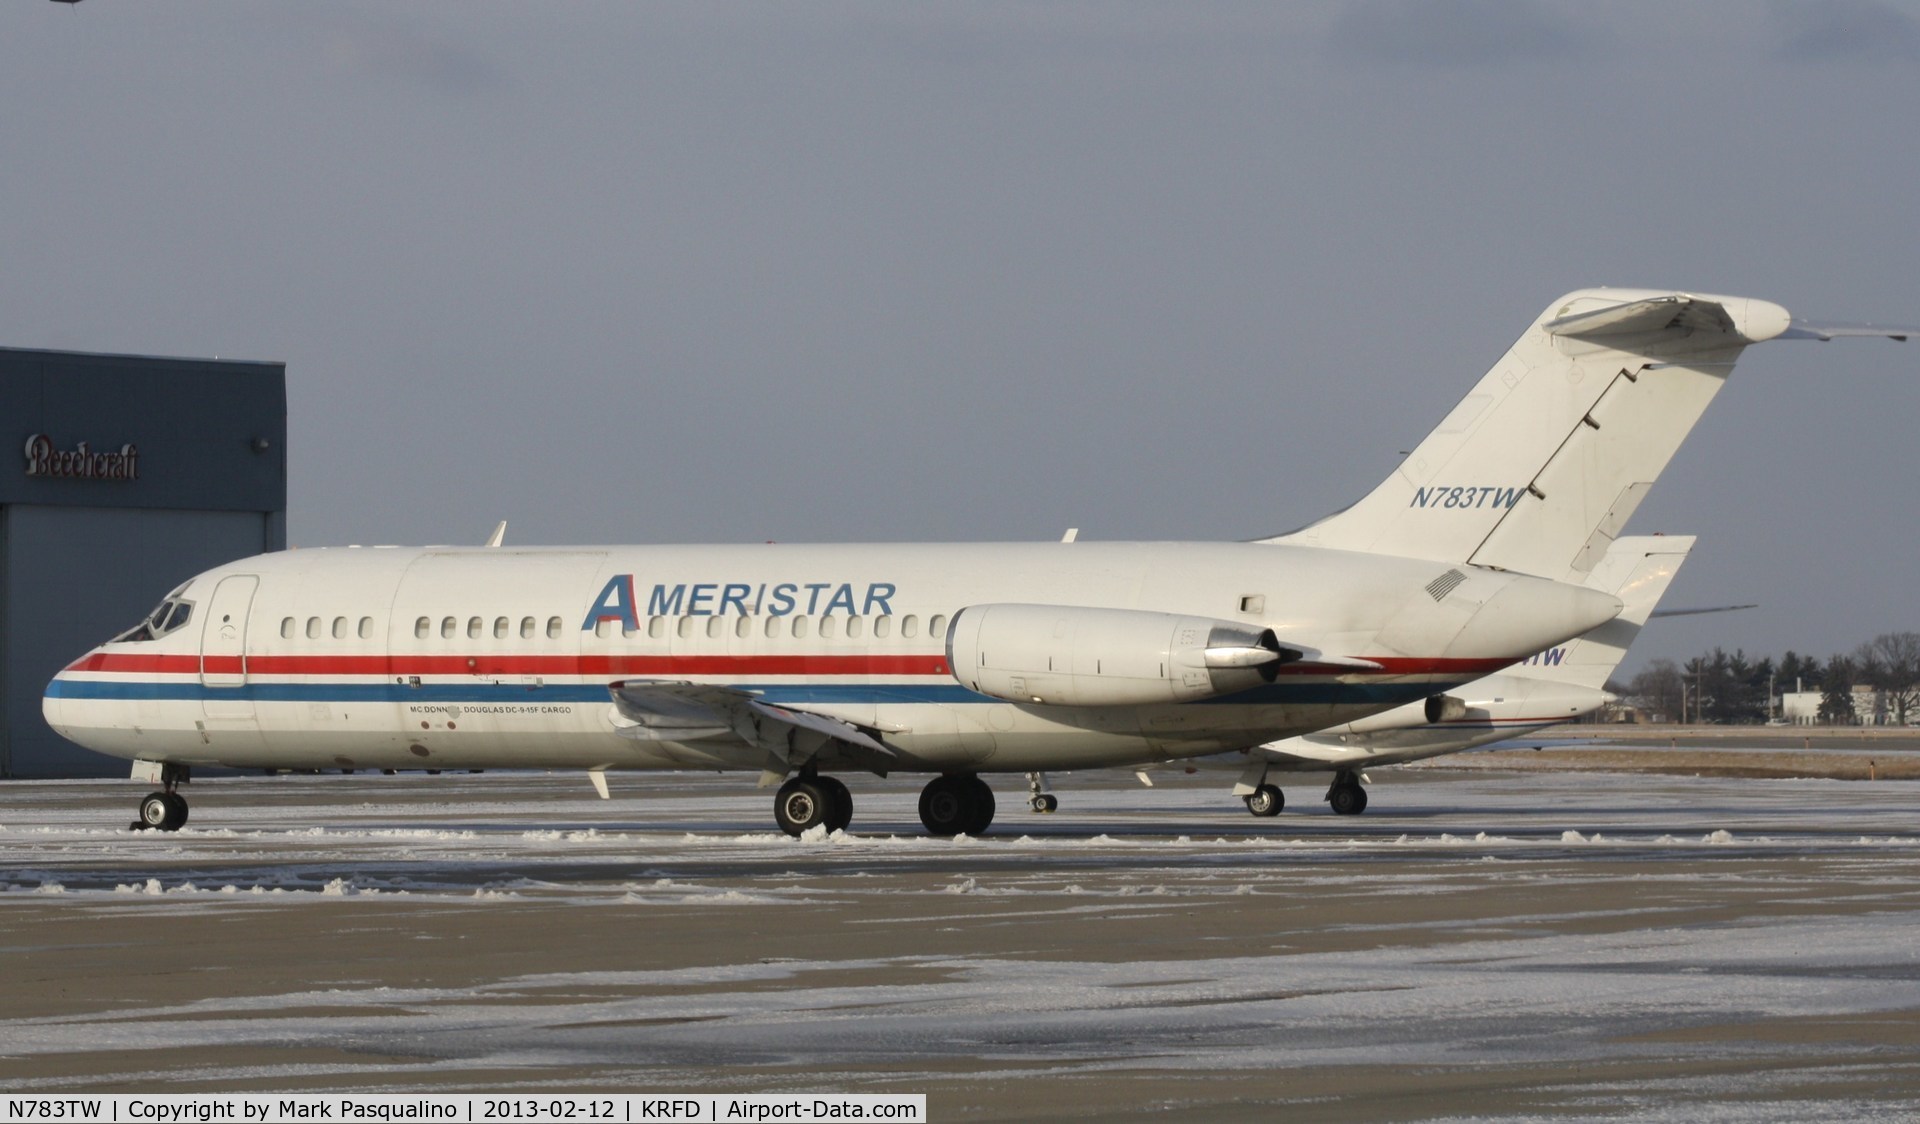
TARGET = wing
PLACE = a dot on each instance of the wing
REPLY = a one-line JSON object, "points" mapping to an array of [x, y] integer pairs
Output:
{"points": [[675, 710]]}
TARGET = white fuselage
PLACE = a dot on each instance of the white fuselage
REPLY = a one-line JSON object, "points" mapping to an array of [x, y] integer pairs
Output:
{"points": [[474, 657]]}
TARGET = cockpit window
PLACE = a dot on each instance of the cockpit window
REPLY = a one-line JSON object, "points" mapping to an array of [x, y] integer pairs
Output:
{"points": [[169, 616]]}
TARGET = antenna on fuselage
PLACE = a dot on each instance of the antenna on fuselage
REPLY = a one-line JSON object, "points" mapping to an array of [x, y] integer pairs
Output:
{"points": [[499, 533]]}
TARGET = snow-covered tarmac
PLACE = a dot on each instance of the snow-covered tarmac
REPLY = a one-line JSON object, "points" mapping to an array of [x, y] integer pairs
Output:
{"points": [[1478, 945]]}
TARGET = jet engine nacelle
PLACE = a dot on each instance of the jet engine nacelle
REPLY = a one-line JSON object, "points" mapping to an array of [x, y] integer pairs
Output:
{"points": [[1074, 656]]}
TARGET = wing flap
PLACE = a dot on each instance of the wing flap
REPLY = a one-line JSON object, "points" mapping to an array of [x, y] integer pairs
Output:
{"points": [[677, 710]]}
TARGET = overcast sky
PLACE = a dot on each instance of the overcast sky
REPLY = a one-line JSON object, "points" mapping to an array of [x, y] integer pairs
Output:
{"points": [[618, 272]]}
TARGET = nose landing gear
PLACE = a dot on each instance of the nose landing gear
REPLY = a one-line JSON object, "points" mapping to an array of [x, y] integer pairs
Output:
{"points": [[1038, 798], [165, 810]]}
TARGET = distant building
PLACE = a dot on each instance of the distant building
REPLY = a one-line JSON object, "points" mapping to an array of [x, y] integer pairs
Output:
{"points": [[1801, 708], [1870, 707], [132, 475]]}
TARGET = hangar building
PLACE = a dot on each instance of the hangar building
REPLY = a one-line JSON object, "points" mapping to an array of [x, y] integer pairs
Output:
{"points": [[130, 474]]}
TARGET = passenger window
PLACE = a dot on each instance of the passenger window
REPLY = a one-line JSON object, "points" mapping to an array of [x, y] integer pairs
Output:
{"points": [[799, 628], [286, 628], [448, 626], [937, 627], [909, 626], [313, 628], [855, 626], [656, 627], [685, 628], [628, 633], [743, 627], [475, 626], [526, 628], [500, 627], [553, 628], [883, 627], [773, 628], [826, 625], [423, 628], [366, 628], [339, 628], [602, 629], [715, 626]]}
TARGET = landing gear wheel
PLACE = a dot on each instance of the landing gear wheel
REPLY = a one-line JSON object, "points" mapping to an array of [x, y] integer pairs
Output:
{"points": [[839, 803], [1267, 800], [162, 811], [1044, 803], [1348, 799], [944, 806], [982, 806], [801, 804]]}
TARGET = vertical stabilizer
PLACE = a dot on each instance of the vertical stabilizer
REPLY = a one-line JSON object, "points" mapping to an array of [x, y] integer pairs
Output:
{"points": [[1541, 464]]}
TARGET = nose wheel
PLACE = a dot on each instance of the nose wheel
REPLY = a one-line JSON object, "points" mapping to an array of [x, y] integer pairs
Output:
{"points": [[165, 810], [1038, 798], [161, 811]]}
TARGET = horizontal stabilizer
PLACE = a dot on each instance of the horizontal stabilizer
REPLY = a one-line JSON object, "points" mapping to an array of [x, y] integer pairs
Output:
{"points": [[1698, 612], [1679, 313], [1834, 329]]}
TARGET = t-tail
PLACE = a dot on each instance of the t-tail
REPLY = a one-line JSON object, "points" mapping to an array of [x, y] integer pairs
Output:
{"points": [[1544, 461]]}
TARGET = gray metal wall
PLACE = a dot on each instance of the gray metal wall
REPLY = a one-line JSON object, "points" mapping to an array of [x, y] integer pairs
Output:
{"points": [[84, 559]]}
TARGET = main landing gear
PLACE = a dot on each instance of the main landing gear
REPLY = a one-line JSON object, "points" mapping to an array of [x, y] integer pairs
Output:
{"points": [[165, 810], [809, 801], [1346, 796], [1267, 800], [956, 804]]}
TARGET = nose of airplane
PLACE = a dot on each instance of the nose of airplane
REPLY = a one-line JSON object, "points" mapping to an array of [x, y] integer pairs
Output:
{"points": [[1529, 614], [61, 705]]}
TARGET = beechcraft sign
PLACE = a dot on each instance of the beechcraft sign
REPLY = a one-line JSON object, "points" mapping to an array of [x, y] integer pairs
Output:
{"points": [[80, 462]]}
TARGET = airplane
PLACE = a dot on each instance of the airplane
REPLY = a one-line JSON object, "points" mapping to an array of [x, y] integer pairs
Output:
{"points": [[1550, 687], [796, 660]]}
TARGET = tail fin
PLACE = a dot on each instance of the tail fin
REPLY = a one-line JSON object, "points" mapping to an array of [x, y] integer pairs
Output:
{"points": [[1637, 569], [1540, 465]]}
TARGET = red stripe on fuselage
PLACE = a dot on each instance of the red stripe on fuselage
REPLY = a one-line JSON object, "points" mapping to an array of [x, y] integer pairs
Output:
{"points": [[610, 666]]}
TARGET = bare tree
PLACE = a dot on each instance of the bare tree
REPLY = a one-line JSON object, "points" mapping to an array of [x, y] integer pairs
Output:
{"points": [[1890, 662], [1657, 690]]}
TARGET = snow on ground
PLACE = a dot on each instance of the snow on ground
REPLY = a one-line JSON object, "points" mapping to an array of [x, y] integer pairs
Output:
{"points": [[1697, 938]]}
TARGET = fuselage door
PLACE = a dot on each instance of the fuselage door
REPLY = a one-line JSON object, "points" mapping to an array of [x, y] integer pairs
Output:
{"points": [[223, 639]]}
